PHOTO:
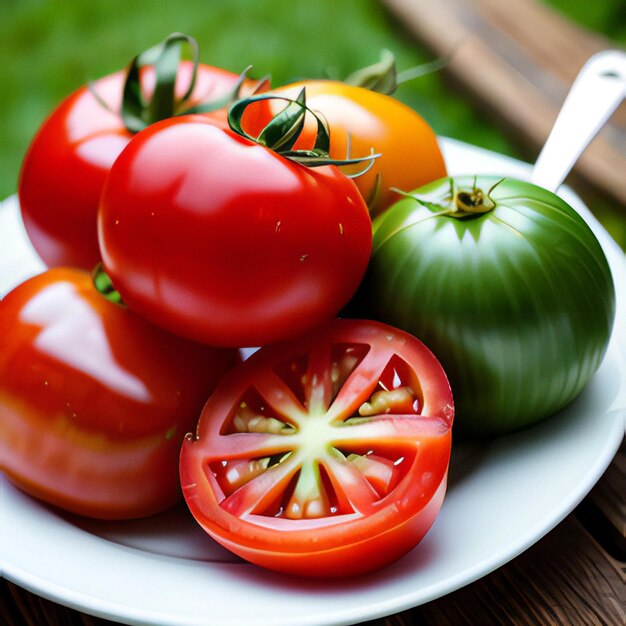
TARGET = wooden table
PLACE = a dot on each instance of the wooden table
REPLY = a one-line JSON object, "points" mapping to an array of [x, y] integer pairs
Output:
{"points": [[576, 574], [516, 61]]}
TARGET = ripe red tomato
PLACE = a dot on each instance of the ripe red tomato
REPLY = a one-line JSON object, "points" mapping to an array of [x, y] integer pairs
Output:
{"points": [[68, 160], [224, 241], [94, 400], [326, 455], [361, 120]]}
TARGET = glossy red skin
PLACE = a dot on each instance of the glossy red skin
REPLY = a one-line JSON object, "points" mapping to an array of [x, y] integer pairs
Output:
{"points": [[94, 400], [68, 160], [221, 240], [382, 530]]}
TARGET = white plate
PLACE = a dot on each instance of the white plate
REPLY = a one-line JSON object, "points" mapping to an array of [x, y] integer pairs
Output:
{"points": [[503, 497]]}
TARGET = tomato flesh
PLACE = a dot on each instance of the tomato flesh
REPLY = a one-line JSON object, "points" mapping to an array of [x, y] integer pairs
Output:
{"points": [[287, 472]]}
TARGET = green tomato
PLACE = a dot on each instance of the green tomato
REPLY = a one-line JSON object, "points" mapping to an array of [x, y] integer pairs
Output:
{"points": [[506, 284]]}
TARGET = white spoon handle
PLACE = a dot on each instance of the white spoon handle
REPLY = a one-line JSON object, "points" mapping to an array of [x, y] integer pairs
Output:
{"points": [[595, 94]]}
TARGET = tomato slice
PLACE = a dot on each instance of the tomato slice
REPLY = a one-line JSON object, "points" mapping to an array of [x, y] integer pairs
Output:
{"points": [[326, 455]]}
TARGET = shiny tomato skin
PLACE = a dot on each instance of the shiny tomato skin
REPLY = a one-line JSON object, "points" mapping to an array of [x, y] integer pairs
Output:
{"points": [[221, 240], [69, 158], [361, 121], [277, 471], [94, 400]]}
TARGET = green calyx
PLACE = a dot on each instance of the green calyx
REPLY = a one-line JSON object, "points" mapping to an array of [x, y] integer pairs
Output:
{"points": [[284, 129], [459, 203], [137, 112], [104, 286]]}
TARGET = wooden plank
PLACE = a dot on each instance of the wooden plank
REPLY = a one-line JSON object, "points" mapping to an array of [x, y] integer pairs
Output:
{"points": [[608, 494], [517, 59], [603, 512], [21, 608], [564, 579]]}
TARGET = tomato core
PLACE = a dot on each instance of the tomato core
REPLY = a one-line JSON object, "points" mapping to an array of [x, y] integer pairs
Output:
{"points": [[473, 202], [322, 455]]}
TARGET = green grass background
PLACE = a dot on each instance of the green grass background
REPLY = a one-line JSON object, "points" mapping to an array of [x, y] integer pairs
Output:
{"points": [[48, 48]]}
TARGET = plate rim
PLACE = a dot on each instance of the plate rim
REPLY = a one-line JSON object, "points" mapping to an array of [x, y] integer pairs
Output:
{"points": [[94, 605]]}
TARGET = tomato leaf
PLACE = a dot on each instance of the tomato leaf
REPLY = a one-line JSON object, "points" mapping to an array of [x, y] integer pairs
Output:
{"points": [[133, 103], [380, 77], [162, 103], [138, 113], [284, 129]]}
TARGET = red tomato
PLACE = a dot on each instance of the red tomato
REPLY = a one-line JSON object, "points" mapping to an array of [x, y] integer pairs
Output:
{"points": [[221, 240], [67, 162], [326, 455], [94, 400], [361, 120]]}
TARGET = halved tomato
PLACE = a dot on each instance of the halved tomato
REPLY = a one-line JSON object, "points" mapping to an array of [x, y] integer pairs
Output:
{"points": [[326, 455]]}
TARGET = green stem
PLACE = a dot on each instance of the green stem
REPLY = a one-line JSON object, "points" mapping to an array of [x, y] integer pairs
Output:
{"points": [[383, 76], [421, 70]]}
